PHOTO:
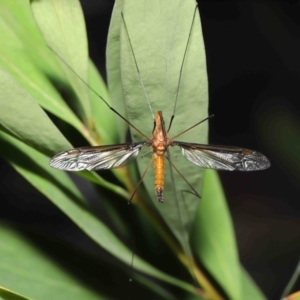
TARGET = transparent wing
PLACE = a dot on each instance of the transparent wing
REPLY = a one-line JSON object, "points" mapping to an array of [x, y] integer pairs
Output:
{"points": [[96, 158], [223, 158]]}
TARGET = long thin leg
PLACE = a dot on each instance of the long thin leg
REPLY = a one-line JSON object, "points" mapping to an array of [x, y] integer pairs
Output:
{"points": [[181, 68], [137, 68], [140, 181], [96, 93], [181, 175], [186, 247]]}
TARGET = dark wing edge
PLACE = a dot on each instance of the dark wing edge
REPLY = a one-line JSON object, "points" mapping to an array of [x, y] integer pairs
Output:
{"points": [[96, 158], [223, 158]]}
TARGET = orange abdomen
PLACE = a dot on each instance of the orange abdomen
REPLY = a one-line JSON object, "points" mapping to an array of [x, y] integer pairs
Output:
{"points": [[159, 164]]}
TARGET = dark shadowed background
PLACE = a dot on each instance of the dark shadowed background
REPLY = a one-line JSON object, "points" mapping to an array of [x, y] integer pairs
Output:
{"points": [[253, 60]]}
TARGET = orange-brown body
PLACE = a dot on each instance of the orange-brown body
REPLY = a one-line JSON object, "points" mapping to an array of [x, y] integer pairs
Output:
{"points": [[160, 142]]}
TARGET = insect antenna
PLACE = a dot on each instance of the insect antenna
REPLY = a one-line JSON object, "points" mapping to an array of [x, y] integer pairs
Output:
{"points": [[96, 93], [181, 68]]}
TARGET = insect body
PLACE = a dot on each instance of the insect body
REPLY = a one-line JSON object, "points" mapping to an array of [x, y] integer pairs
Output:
{"points": [[204, 156]]}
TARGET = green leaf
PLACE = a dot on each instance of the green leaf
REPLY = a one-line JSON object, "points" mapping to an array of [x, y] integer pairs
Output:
{"points": [[214, 243], [249, 288], [23, 118], [113, 64], [28, 59], [105, 120], [213, 237], [25, 269], [10, 295], [159, 34], [63, 28]]}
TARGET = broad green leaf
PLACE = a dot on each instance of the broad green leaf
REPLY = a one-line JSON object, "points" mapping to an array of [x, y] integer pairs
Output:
{"points": [[58, 188], [214, 243], [10, 295], [250, 290], [113, 68], [213, 237], [104, 119], [17, 20], [23, 118], [63, 28], [159, 34], [29, 272], [28, 59]]}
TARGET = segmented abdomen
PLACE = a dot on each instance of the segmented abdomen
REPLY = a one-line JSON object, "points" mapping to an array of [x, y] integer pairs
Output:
{"points": [[159, 163]]}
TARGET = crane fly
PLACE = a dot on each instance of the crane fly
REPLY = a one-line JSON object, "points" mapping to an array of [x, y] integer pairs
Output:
{"points": [[119, 155], [204, 156]]}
